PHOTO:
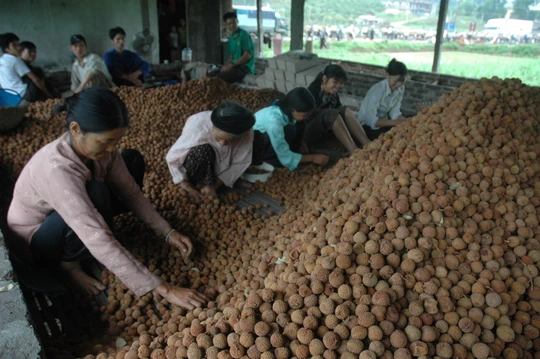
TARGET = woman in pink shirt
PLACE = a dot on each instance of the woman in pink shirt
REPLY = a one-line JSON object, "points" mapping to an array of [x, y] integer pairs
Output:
{"points": [[68, 193], [215, 148]]}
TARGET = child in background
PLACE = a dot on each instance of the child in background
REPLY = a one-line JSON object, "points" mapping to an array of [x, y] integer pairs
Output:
{"points": [[29, 55], [173, 44]]}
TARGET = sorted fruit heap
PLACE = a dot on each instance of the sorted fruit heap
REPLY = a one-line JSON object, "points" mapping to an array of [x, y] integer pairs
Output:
{"points": [[424, 244]]}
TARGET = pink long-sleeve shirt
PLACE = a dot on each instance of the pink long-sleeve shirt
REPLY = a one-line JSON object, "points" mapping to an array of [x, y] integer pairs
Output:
{"points": [[231, 160], [55, 180]]}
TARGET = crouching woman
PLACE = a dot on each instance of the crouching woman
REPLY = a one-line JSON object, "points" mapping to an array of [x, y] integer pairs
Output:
{"points": [[215, 148], [68, 193]]}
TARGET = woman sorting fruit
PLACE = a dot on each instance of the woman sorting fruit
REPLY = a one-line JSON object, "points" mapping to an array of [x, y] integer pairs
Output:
{"points": [[381, 108], [215, 148], [282, 125], [330, 115], [68, 193]]}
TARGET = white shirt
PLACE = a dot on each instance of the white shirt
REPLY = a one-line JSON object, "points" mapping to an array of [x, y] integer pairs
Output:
{"points": [[380, 102], [12, 69], [91, 62], [231, 160]]}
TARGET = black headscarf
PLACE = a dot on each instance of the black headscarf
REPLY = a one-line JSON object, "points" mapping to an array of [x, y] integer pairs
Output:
{"points": [[232, 118]]}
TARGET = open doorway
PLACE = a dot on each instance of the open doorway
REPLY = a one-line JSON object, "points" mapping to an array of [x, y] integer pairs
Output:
{"points": [[172, 29]]}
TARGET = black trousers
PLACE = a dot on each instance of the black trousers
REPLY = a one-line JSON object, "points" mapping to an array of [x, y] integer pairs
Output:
{"points": [[236, 74], [294, 135], [33, 93], [373, 134], [55, 241], [201, 160]]}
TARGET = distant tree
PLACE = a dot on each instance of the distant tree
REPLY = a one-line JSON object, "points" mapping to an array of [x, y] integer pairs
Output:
{"points": [[492, 9], [521, 10]]}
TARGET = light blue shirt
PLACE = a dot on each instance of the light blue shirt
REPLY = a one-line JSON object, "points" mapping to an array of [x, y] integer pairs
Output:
{"points": [[272, 120]]}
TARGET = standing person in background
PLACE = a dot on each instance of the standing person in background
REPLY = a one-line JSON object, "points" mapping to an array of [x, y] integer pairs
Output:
{"points": [[330, 115], [323, 37], [88, 69], [242, 54], [372, 33], [282, 125], [28, 55], [173, 45], [381, 108], [340, 33], [126, 67], [182, 35], [15, 75]]}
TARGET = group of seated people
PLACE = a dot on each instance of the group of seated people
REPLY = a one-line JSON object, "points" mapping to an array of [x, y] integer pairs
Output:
{"points": [[66, 196], [118, 67], [216, 147]]}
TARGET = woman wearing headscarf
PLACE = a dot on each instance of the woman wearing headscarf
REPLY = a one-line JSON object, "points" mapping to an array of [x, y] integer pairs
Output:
{"points": [[215, 148], [67, 195], [381, 108], [330, 115], [282, 126]]}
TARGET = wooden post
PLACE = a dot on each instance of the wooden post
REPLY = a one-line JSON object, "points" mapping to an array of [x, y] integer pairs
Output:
{"points": [[297, 24], [260, 29], [443, 10]]}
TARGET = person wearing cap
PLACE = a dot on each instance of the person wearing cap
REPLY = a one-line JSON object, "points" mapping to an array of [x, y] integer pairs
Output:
{"points": [[126, 67], [215, 148], [88, 69]]}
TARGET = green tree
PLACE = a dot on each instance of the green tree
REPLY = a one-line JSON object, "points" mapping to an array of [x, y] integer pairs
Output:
{"points": [[522, 12], [492, 9]]}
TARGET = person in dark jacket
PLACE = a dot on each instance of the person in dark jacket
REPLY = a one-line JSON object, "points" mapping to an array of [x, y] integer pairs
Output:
{"points": [[330, 115]]}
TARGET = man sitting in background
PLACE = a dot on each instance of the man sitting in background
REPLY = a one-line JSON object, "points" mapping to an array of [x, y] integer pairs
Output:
{"points": [[15, 74], [126, 67], [28, 55], [242, 55]]}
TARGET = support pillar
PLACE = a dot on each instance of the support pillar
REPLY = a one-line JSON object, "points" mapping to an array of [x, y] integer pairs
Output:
{"points": [[297, 24], [260, 29], [204, 30], [443, 10]]}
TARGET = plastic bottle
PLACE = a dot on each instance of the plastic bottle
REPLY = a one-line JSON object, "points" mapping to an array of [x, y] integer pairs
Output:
{"points": [[187, 54]]}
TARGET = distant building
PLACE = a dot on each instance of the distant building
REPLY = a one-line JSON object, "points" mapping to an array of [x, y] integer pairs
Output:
{"points": [[414, 7]]}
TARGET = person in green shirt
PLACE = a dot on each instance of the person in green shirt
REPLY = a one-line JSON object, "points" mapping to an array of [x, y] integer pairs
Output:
{"points": [[242, 54]]}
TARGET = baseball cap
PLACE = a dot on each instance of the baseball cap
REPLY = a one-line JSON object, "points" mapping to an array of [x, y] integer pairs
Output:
{"points": [[77, 38]]}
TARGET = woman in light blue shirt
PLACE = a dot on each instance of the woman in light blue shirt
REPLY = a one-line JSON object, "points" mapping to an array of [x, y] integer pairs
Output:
{"points": [[381, 108], [282, 125]]}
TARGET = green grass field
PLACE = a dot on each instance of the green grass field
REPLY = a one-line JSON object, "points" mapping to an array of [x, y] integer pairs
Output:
{"points": [[474, 61]]}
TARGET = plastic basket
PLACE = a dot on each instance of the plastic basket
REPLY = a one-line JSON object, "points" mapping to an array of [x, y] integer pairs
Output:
{"points": [[263, 177], [9, 98]]}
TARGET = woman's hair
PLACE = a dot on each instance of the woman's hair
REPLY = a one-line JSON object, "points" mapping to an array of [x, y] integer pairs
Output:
{"points": [[95, 110], [332, 72], [299, 99], [396, 68]]}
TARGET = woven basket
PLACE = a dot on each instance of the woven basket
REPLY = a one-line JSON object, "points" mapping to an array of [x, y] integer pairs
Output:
{"points": [[11, 117]]}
